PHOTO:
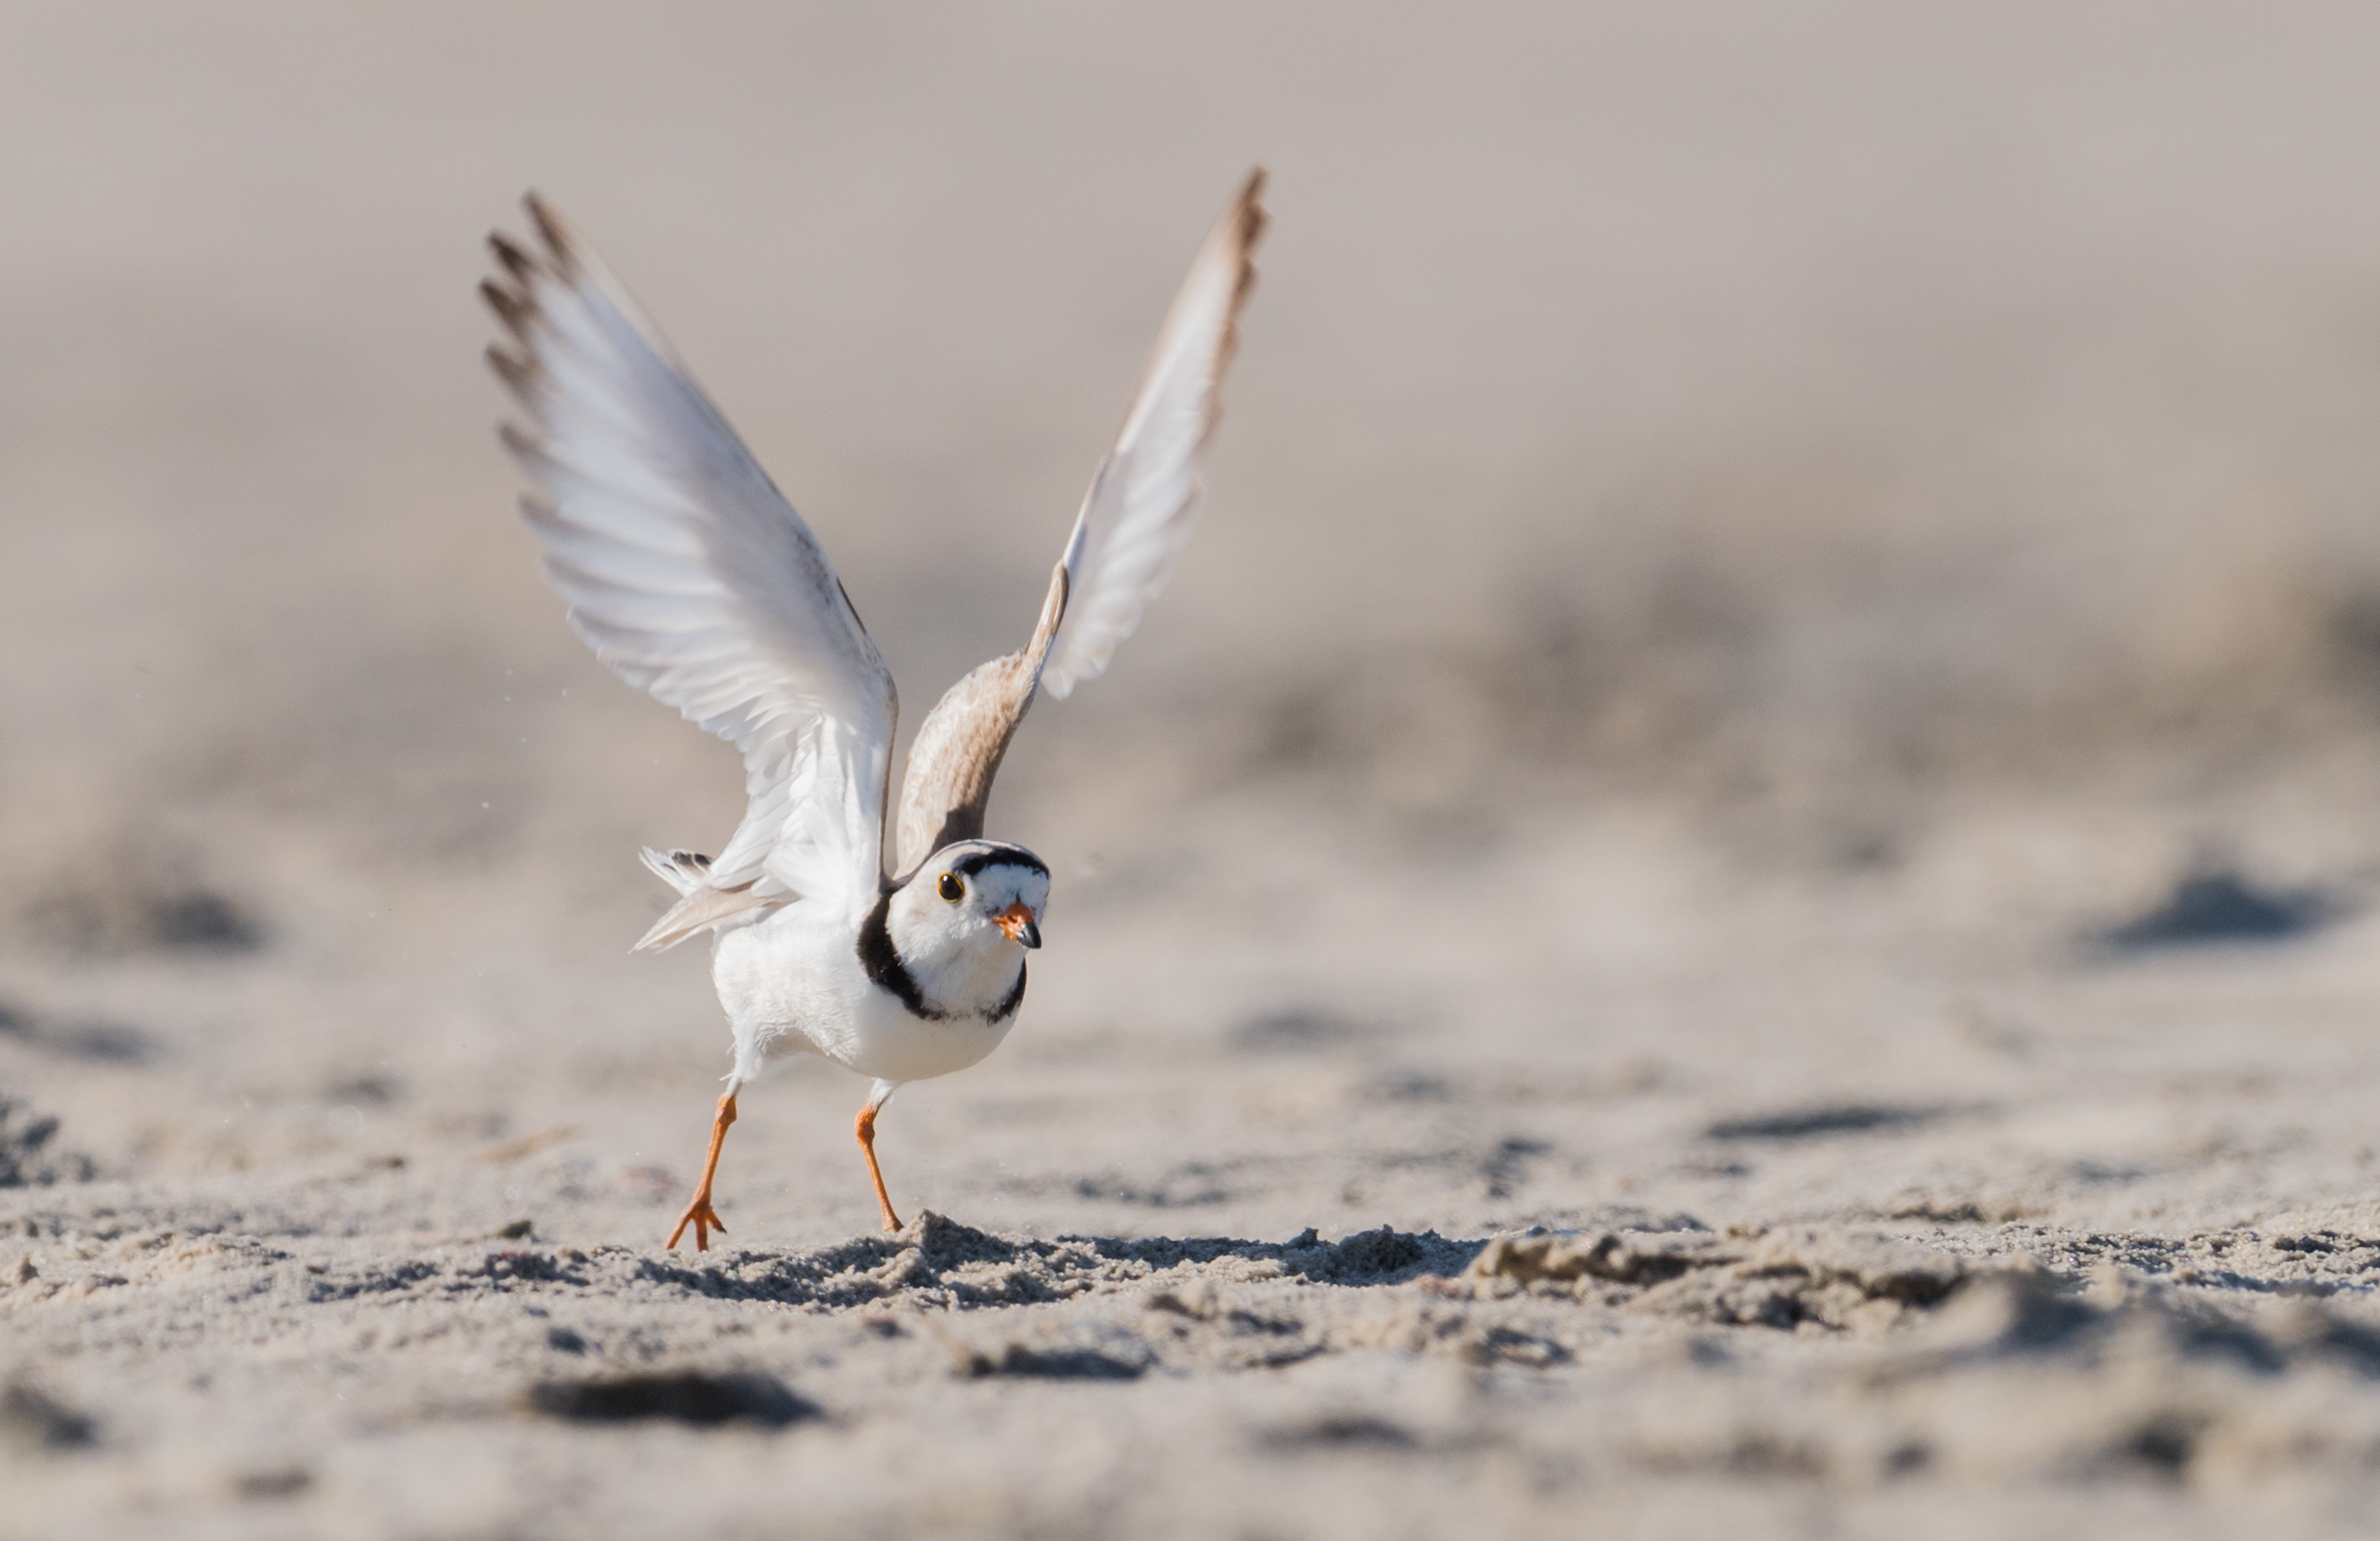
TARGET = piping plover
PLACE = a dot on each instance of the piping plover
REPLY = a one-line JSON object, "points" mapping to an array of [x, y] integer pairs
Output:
{"points": [[690, 576]]}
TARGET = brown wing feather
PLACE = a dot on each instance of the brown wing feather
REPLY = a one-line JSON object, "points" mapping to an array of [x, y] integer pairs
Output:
{"points": [[959, 745]]}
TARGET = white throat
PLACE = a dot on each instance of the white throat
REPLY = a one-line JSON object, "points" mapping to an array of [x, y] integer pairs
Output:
{"points": [[960, 969], [950, 942]]}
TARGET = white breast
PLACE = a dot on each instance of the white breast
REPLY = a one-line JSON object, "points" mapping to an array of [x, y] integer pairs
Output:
{"points": [[793, 981]]}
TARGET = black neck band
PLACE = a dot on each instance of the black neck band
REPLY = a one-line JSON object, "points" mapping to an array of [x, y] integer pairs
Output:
{"points": [[884, 966]]}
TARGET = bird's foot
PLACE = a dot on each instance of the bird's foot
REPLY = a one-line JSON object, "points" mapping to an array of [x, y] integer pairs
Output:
{"points": [[703, 1217]]}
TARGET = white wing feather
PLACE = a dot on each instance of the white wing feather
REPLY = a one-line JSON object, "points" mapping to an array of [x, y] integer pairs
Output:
{"points": [[1142, 503], [690, 575]]}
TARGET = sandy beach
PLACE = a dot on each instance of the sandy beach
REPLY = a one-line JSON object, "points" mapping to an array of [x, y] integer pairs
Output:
{"points": [[1733, 893]]}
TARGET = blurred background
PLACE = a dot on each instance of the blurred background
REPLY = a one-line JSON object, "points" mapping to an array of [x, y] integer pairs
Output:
{"points": [[1709, 496]]}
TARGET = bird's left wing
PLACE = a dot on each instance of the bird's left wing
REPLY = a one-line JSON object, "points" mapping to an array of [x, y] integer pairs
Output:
{"points": [[690, 576], [1134, 522]]}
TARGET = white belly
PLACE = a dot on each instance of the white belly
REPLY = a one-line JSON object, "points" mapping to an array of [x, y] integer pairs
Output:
{"points": [[794, 981]]}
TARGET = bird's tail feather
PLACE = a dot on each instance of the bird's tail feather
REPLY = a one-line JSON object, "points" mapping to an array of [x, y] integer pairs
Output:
{"points": [[683, 870], [701, 906]]}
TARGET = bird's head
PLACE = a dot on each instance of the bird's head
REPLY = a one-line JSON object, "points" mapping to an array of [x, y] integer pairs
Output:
{"points": [[964, 921]]}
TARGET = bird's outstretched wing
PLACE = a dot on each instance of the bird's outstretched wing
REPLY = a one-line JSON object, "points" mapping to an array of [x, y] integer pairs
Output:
{"points": [[1137, 516], [690, 576], [1134, 522]]}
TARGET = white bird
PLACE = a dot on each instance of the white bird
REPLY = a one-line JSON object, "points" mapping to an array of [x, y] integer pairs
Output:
{"points": [[691, 577]]}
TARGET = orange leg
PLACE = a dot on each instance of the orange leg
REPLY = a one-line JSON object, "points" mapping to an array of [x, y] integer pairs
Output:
{"points": [[698, 1211], [866, 1129]]}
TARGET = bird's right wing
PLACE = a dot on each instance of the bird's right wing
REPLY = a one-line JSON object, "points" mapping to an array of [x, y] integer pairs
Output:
{"points": [[1137, 516], [691, 577], [1134, 522]]}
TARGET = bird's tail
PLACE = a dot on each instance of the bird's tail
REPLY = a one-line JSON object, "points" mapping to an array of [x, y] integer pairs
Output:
{"points": [[702, 905], [683, 870]]}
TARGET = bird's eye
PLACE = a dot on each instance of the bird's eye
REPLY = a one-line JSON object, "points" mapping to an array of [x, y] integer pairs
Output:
{"points": [[950, 886]]}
